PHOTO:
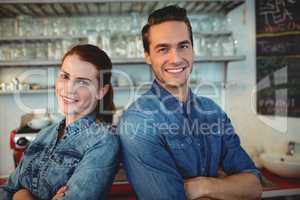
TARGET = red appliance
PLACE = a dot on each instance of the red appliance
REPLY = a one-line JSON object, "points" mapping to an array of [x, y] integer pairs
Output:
{"points": [[21, 138]]}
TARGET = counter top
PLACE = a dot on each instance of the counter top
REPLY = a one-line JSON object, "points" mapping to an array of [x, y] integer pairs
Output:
{"points": [[275, 186]]}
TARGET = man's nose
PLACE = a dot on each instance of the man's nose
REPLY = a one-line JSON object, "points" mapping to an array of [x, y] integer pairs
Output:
{"points": [[174, 56]]}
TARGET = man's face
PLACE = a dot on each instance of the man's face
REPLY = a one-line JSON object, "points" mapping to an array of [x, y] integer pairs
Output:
{"points": [[170, 53]]}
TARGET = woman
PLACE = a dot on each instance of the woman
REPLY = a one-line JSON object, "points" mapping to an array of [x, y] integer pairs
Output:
{"points": [[80, 152]]}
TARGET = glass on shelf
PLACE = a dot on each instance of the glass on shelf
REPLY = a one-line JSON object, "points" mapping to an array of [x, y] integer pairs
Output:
{"points": [[6, 52], [131, 46], [216, 49], [229, 46], [24, 25], [217, 23], [119, 44], [41, 50], [104, 42], [135, 23], [204, 23], [7, 27]]}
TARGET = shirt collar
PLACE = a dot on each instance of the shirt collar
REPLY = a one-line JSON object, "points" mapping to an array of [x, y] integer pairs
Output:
{"points": [[170, 102], [79, 125]]}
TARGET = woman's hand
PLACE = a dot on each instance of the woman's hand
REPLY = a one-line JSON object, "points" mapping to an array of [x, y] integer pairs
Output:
{"points": [[60, 193], [23, 194]]}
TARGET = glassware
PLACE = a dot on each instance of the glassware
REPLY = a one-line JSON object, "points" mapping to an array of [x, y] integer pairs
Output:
{"points": [[228, 46], [104, 41], [30, 52], [24, 25], [119, 44], [7, 27], [131, 46], [135, 23], [41, 50], [139, 46], [197, 44], [51, 50], [216, 48], [205, 24], [217, 23], [1, 54], [202, 47], [7, 52]]}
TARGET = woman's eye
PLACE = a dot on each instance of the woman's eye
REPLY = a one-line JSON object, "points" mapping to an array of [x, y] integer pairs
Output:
{"points": [[83, 83], [63, 76]]}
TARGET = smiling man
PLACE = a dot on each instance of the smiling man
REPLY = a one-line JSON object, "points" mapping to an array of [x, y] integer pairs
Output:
{"points": [[173, 141]]}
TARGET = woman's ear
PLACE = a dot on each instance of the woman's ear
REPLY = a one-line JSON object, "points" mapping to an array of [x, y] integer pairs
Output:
{"points": [[102, 92]]}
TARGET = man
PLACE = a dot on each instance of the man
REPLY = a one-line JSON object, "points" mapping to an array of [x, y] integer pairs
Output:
{"points": [[173, 141]]}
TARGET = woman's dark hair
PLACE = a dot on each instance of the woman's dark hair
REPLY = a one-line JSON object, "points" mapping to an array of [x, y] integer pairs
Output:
{"points": [[169, 13], [94, 55]]}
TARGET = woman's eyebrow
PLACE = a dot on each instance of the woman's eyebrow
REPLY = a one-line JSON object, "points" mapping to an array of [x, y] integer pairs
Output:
{"points": [[83, 78]]}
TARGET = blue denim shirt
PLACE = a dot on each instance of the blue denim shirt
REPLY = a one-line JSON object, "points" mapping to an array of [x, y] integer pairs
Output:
{"points": [[165, 141], [85, 159]]}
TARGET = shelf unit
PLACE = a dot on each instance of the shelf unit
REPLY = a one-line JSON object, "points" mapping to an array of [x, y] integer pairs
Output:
{"points": [[61, 8], [46, 8]]}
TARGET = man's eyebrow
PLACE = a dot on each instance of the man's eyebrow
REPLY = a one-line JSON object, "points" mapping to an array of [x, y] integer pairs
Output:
{"points": [[167, 45], [161, 45], [184, 42]]}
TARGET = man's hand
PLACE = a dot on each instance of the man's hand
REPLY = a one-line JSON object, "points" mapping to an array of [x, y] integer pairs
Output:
{"points": [[23, 194], [60, 193], [233, 187], [197, 188]]}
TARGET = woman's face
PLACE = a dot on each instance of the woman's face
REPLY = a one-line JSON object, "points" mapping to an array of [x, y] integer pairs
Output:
{"points": [[77, 87]]}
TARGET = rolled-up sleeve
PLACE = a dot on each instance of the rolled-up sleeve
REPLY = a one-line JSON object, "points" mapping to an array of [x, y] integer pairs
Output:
{"points": [[234, 158], [150, 167]]}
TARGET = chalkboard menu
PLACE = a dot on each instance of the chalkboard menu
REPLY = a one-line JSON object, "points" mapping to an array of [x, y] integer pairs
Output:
{"points": [[278, 57]]}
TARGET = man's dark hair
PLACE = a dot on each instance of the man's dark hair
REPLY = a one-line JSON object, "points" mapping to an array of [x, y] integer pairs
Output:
{"points": [[169, 13]]}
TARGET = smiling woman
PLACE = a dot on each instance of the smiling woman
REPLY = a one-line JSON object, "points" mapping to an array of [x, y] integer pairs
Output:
{"points": [[77, 157]]}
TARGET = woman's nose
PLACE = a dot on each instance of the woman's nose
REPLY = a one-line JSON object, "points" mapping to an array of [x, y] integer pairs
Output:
{"points": [[69, 86]]}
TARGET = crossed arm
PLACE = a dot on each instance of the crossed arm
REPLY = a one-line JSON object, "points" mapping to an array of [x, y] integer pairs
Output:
{"points": [[154, 175], [93, 175]]}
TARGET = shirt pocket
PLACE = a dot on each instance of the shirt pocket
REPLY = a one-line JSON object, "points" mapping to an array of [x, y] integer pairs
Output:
{"points": [[182, 152], [66, 158], [34, 148]]}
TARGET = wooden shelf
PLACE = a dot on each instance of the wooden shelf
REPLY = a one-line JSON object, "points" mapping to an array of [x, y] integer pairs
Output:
{"points": [[46, 8]]}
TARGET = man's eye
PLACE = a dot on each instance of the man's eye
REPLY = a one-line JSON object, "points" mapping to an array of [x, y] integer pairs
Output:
{"points": [[162, 50], [184, 46]]}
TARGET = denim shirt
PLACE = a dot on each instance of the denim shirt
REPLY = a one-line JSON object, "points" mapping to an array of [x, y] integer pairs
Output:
{"points": [[165, 141], [85, 159]]}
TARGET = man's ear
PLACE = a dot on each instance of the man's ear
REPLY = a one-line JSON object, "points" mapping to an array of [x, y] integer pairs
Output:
{"points": [[102, 92], [147, 57]]}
